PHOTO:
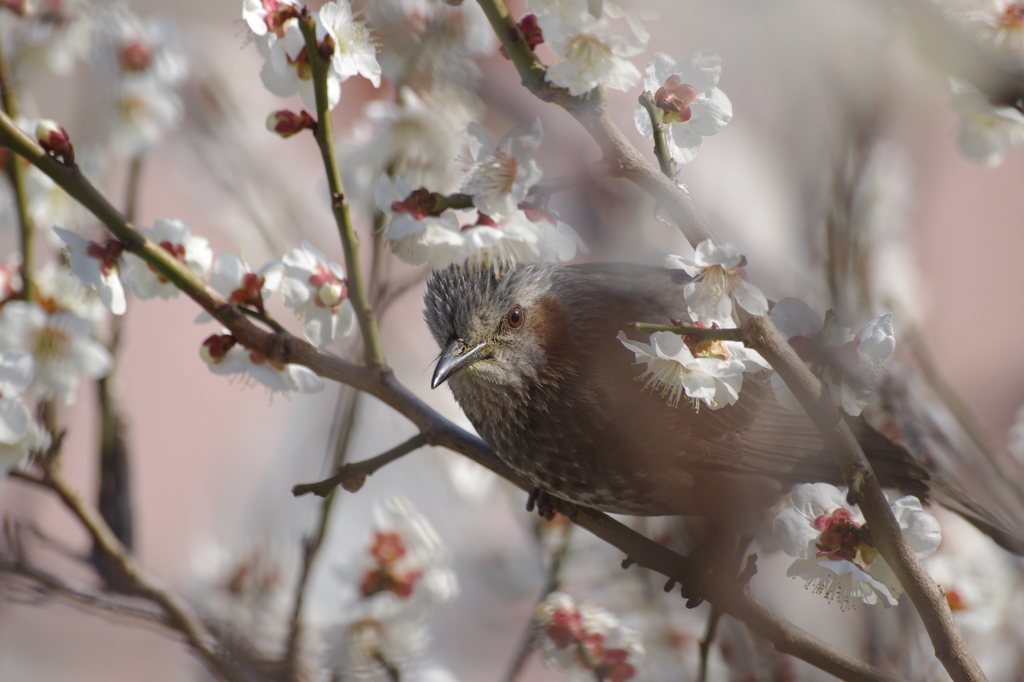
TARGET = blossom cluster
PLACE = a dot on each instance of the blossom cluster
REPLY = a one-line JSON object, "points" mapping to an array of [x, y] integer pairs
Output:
{"points": [[509, 226], [341, 38], [833, 550], [585, 641], [850, 364], [397, 582]]}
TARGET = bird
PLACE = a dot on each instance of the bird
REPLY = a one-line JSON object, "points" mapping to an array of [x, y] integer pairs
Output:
{"points": [[531, 356]]}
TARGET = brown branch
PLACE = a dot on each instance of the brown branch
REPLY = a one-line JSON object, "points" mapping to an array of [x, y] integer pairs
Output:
{"points": [[923, 591], [177, 612]]}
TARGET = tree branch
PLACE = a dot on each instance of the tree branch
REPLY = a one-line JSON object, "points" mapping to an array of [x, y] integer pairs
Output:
{"points": [[628, 163]]}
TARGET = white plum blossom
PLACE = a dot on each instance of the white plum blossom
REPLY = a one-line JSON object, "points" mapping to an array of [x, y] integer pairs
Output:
{"points": [[718, 280], [61, 345], [354, 50], [98, 267], [314, 289], [502, 174], [175, 237], [419, 235], [395, 584], [585, 641], [19, 432], [713, 376], [692, 105], [232, 278], [286, 69], [833, 550], [225, 357], [987, 130], [850, 364], [591, 55]]}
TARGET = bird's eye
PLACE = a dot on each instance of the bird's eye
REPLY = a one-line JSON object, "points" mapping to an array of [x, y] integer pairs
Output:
{"points": [[515, 317]]}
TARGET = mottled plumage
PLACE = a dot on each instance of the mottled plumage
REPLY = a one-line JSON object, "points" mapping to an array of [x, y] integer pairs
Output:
{"points": [[558, 401]]}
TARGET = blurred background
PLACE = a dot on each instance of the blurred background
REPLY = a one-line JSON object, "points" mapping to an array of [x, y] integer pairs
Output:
{"points": [[839, 177]]}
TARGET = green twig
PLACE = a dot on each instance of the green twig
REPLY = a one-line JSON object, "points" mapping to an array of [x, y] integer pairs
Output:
{"points": [[339, 204], [264, 318], [668, 166], [702, 332], [356, 470]]}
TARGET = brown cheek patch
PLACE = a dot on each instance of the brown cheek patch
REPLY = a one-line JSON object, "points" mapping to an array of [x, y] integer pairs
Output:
{"points": [[546, 320]]}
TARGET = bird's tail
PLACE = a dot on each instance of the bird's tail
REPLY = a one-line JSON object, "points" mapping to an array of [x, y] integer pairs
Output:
{"points": [[954, 499]]}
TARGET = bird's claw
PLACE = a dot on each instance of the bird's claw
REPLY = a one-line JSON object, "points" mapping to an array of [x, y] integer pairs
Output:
{"points": [[543, 501]]}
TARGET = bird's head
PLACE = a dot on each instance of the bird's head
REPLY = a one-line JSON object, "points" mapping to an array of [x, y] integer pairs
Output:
{"points": [[493, 327]]}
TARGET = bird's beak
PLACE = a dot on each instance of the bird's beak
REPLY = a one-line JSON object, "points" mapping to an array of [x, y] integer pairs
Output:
{"points": [[456, 357]]}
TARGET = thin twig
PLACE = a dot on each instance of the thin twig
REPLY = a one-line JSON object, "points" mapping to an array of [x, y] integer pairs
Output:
{"points": [[707, 641], [700, 332], [16, 173], [661, 152], [355, 472], [324, 133], [552, 582], [178, 612]]}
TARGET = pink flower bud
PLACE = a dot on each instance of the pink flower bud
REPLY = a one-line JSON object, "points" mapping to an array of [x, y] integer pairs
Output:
{"points": [[287, 123], [216, 347], [55, 140]]}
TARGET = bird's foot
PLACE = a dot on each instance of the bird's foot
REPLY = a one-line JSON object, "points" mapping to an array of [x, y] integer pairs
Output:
{"points": [[545, 504]]}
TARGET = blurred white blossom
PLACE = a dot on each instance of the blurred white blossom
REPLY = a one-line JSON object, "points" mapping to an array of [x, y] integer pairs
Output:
{"points": [[175, 237], [314, 288], [61, 345], [400, 578], [718, 280], [987, 130], [502, 174], [19, 432], [692, 105], [851, 364], [354, 50], [145, 65], [832, 545], [587, 642]]}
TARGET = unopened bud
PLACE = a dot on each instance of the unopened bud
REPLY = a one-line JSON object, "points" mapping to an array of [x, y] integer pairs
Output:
{"points": [[287, 123], [55, 140], [354, 483], [216, 347]]}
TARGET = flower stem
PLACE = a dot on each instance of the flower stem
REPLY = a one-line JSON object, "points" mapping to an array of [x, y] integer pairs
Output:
{"points": [[16, 173], [668, 166], [324, 133], [702, 332]]}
